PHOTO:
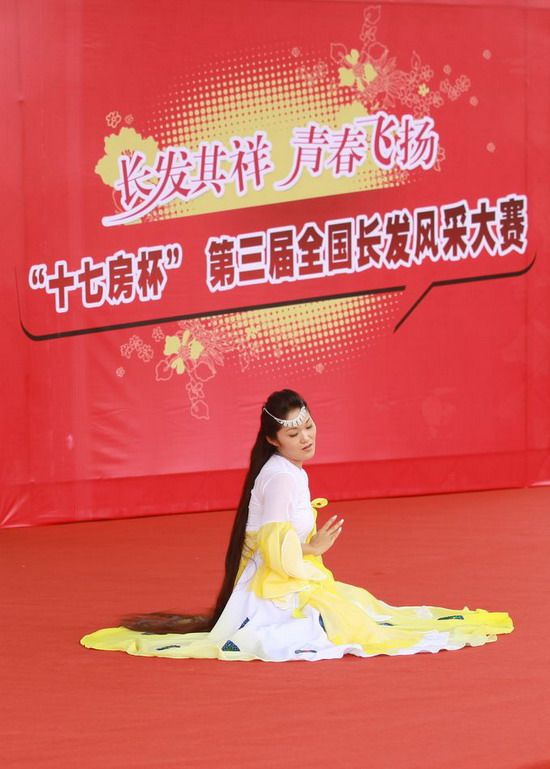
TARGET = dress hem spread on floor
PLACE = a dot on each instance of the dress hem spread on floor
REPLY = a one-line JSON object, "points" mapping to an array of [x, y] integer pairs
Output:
{"points": [[286, 606]]}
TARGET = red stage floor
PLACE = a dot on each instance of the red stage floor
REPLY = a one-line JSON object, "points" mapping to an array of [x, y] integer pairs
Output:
{"points": [[478, 708]]}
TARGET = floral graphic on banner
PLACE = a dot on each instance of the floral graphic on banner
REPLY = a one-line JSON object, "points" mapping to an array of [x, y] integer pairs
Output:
{"points": [[196, 350], [113, 119], [136, 345], [314, 336], [373, 78]]}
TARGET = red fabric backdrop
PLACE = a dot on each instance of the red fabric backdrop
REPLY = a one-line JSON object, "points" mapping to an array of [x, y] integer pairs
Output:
{"points": [[207, 201]]}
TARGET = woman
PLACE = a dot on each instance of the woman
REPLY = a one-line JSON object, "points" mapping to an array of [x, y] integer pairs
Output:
{"points": [[278, 601]]}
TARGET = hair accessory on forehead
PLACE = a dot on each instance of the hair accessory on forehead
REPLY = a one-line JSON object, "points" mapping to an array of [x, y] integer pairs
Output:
{"points": [[300, 419]]}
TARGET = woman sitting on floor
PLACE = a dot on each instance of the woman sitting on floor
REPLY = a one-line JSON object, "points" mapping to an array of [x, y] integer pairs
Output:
{"points": [[278, 601]]}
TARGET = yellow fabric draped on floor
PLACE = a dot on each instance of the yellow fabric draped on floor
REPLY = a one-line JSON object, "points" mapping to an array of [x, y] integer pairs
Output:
{"points": [[276, 580]]}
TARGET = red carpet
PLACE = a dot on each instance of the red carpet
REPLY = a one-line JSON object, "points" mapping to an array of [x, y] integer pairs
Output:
{"points": [[484, 708]]}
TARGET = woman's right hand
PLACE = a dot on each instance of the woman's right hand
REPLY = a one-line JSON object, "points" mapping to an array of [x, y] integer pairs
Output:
{"points": [[325, 538]]}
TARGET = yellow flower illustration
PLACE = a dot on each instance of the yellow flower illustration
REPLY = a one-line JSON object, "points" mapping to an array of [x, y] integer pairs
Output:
{"points": [[183, 349], [356, 73], [423, 89], [126, 141]]}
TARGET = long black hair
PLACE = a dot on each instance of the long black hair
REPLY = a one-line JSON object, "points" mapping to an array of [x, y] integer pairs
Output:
{"points": [[279, 404]]}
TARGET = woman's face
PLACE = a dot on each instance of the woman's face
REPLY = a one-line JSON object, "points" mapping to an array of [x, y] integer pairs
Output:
{"points": [[296, 443]]}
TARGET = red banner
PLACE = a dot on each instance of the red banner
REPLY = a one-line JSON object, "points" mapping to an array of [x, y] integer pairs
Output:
{"points": [[207, 204]]}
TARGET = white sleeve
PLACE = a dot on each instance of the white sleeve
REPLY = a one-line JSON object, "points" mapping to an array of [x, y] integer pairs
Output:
{"points": [[279, 498]]}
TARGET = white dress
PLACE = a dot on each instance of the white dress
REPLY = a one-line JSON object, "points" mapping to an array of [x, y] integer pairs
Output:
{"points": [[286, 606], [267, 629]]}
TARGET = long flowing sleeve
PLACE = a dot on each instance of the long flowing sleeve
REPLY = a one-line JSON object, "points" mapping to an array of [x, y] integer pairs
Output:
{"points": [[283, 570]]}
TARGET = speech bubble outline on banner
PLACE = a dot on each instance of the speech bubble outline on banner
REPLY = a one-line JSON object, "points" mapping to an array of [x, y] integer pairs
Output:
{"points": [[384, 271], [414, 291], [456, 281]]}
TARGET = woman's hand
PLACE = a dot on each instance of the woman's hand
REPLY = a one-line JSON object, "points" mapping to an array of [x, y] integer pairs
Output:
{"points": [[325, 537]]}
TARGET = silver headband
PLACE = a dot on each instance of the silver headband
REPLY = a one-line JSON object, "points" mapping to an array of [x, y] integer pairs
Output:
{"points": [[300, 419]]}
